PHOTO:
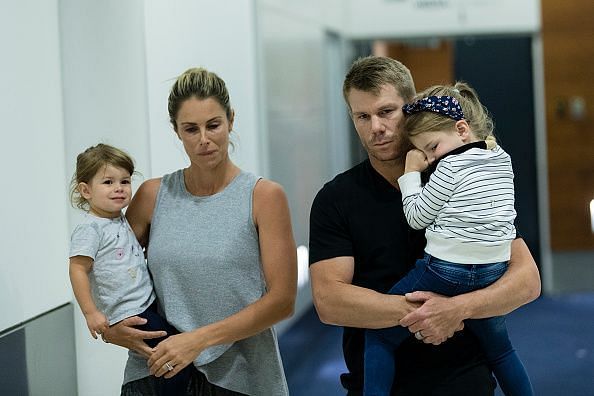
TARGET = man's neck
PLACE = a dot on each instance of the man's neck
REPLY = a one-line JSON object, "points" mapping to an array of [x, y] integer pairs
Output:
{"points": [[389, 170]]}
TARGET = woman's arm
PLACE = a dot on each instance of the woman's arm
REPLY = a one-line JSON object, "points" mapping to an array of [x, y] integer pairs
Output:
{"points": [[139, 215], [140, 211], [279, 264], [439, 315]]}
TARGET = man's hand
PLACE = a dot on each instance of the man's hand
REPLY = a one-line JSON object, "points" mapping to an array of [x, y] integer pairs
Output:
{"points": [[437, 319], [416, 161]]}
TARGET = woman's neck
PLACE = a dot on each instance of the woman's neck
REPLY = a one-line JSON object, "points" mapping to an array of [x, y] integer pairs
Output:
{"points": [[204, 182]]}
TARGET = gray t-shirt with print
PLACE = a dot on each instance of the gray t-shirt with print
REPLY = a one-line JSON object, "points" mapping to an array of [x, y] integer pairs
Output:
{"points": [[120, 281]]}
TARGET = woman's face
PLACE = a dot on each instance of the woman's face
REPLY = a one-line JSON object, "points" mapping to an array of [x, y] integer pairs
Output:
{"points": [[203, 128]]}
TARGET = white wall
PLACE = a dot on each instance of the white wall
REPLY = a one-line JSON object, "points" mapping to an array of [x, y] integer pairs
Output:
{"points": [[217, 35], [33, 234], [384, 19], [299, 133], [104, 78], [323, 14]]}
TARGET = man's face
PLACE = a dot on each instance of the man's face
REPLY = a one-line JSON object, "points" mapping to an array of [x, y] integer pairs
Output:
{"points": [[378, 120]]}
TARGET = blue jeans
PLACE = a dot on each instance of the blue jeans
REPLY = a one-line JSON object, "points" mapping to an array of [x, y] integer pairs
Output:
{"points": [[449, 279]]}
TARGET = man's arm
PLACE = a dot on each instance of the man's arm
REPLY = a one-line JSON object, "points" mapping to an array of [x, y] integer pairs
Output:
{"points": [[338, 302], [439, 315]]}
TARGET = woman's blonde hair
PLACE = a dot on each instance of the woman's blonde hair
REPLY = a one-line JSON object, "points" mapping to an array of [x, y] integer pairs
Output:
{"points": [[476, 115], [89, 162], [199, 83]]}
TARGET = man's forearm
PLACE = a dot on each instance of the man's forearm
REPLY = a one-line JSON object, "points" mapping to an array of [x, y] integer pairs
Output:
{"points": [[354, 306], [440, 316], [518, 286], [341, 303]]}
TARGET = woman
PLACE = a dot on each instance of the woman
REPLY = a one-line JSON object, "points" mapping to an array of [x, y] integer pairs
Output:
{"points": [[222, 255]]}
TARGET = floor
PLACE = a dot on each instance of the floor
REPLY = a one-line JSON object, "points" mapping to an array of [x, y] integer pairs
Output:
{"points": [[553, 335]]}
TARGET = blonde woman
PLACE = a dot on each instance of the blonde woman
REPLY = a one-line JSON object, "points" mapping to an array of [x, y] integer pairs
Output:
{"points": [[222, 255]]}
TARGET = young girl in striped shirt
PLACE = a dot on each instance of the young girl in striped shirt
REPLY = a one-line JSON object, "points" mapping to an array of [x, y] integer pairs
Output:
{"points": [[467, 209]]}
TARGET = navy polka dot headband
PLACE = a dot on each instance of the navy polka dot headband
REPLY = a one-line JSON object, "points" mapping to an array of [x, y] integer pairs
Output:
{"points": [[444, 105]]}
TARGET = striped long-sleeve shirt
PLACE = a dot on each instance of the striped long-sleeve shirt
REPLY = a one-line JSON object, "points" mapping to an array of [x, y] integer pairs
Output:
{"points": [[467, 206]]}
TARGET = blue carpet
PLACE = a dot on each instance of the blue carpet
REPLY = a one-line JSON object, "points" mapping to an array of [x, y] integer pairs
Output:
{"points": [[553, 335]]}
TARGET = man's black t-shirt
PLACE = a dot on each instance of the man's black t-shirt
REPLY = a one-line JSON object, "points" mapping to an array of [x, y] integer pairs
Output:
{"points": [[359, 214]]}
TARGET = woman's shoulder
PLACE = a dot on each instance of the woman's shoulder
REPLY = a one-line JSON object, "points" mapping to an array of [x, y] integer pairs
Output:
{"points": [[145, 196], [150, 187], [268, 189], [268, 195], [270, 203]]}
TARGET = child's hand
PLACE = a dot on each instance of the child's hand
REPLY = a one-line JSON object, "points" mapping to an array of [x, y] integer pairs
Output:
{"points": [[416, 161], [97, 323]]}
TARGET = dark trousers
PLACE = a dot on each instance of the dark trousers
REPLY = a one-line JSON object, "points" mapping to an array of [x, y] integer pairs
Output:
{"points": [[197, 386], [176, 385]]}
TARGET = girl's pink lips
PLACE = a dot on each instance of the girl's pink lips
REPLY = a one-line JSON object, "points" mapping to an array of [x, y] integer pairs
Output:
{"points": [[207, 152]]}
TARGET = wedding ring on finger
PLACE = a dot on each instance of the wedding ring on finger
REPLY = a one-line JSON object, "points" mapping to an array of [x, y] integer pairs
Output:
{"points": [[168, 366], [418, 335]]}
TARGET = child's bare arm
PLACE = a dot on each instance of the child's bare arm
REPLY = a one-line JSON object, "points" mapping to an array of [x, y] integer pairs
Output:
{"points": [[80, 266]]}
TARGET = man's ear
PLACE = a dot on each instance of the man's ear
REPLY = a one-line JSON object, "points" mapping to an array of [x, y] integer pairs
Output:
{"points": [[84, 190], [463, 130]]}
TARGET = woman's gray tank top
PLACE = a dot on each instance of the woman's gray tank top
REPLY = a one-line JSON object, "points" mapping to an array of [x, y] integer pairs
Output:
{"points": [[204, 256]]}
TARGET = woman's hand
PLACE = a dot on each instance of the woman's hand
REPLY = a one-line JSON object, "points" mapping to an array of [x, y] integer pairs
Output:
{"points": [[173, 354], [126, 335]]}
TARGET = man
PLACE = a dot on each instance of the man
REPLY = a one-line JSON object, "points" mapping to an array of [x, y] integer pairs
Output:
{"points": [[360, 245]]}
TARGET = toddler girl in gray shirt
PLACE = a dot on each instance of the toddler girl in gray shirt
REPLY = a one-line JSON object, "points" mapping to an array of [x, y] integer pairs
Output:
{"points": [[108, 272]]}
